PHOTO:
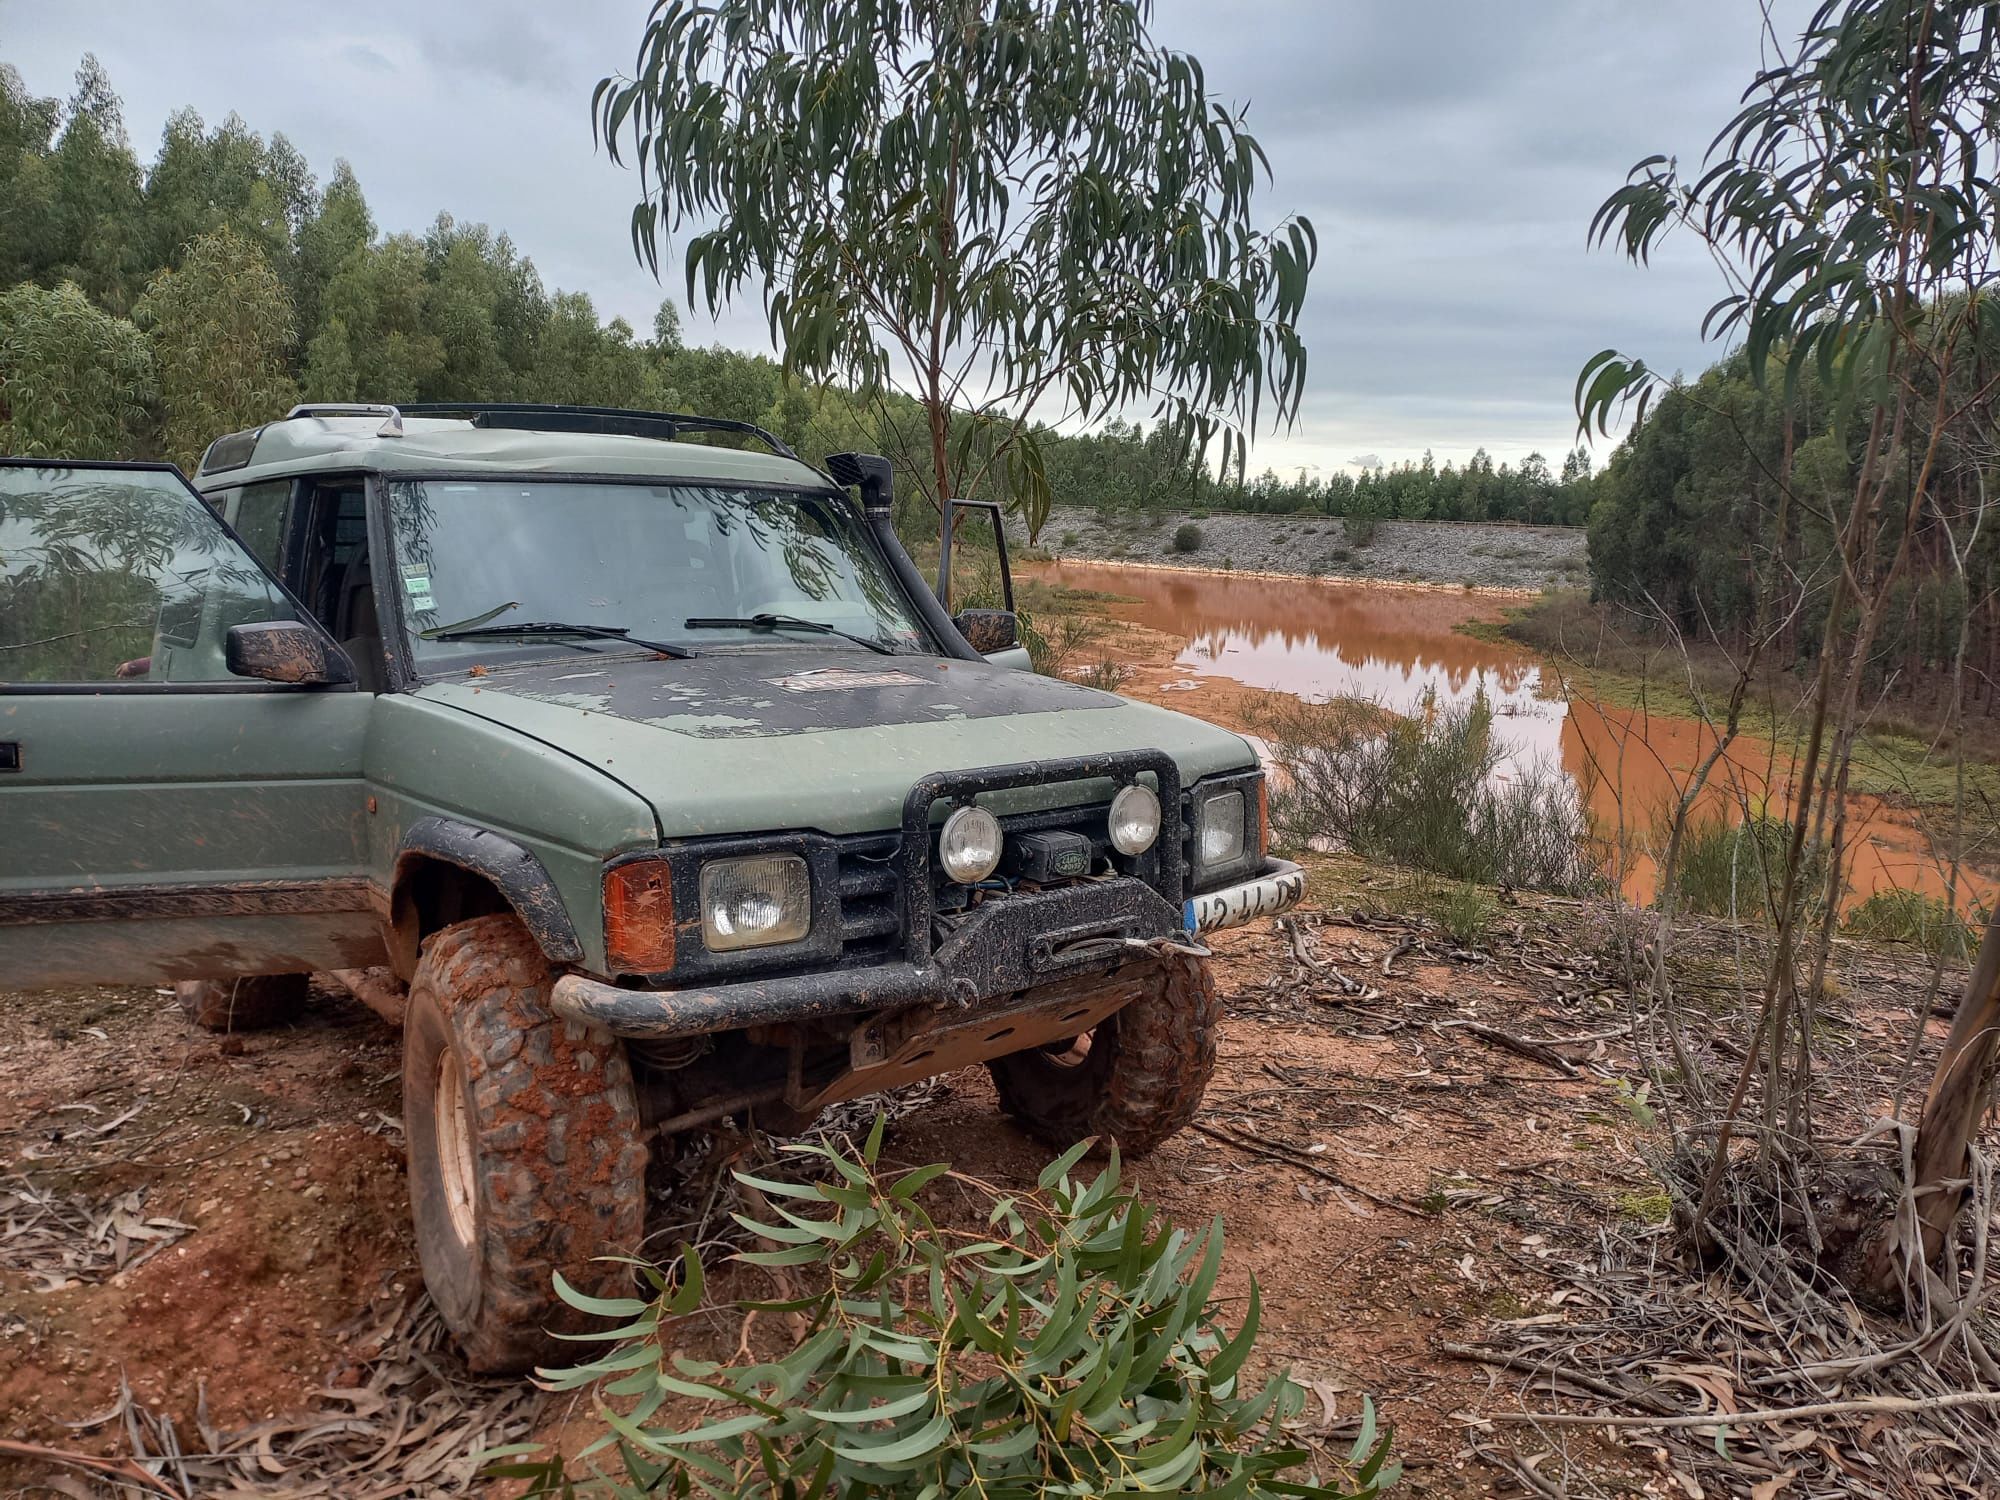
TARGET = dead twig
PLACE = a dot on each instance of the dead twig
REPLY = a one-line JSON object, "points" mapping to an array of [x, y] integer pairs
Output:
{"points": [[1519, 1045], [1764, 1416], [121, 1470]]}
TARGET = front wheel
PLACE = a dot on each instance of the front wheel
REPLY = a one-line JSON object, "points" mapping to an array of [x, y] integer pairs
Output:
{"points": [[527, 1156], [1135, 1078]]}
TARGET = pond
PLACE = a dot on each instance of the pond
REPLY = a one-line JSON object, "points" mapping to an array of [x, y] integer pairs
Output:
{"points": [[1390, 644]]}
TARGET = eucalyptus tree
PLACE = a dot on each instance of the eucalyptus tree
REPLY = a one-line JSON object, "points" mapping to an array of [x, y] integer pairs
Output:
{"points": [[221, 327], [1007, 208], [1851, 205]]}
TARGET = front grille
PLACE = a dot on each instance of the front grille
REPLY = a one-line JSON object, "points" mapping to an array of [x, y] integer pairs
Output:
{"points": [[871, 897], [871, 907]]}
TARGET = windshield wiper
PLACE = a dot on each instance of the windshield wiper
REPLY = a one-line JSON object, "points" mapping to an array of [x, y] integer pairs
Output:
{"points": [[553, 627], [786, 622]]}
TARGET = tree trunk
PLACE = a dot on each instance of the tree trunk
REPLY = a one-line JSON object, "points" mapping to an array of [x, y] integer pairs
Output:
{"points": [[1960, 1092]]}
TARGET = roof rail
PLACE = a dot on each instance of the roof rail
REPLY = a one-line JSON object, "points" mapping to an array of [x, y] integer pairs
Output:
{"points": [[392, 418], [530, 416]]}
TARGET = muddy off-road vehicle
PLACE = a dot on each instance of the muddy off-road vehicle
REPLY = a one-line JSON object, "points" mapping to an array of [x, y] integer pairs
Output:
{"points": [[649, 764]]}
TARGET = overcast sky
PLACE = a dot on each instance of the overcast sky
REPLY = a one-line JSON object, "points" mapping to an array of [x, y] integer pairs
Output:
{"points": [[1449, 154]]}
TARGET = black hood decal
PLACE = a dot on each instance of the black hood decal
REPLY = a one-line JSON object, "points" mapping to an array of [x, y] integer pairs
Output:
{"points": [[750, 693]]}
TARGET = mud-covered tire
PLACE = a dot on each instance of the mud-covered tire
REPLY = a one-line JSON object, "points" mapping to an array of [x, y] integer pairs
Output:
{"points": [[248, 1004], [1141, 1078], [527, 1156]]}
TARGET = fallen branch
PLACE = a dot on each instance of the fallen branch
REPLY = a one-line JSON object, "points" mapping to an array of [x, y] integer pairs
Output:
{"points": [[1291, 1156], [1541, 1370], [1520, 1046], [1767, 1416], [122, 1470]]}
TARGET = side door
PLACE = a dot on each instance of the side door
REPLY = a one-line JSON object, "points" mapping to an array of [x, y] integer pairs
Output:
{"points": [[162, 817]]}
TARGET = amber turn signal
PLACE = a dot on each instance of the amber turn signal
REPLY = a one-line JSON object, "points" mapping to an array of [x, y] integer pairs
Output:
{"points": [[639, 917]]}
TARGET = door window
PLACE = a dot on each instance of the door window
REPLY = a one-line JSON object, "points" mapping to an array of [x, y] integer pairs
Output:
{"points": [[259, 518], [119, 575]]}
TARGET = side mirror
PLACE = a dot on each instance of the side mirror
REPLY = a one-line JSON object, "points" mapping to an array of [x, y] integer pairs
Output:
{"points": [[988, 630], [286, 651]]}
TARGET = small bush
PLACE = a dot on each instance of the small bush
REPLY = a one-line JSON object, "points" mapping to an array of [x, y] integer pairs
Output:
{"points": [[1187, 537], [1052, 647], [1361, 529], [1074, 1336], [1105, 674], [1423, 791], [1465, 912], [1913, 917], [1339, 555], [1736, 870], [1070, 538]]}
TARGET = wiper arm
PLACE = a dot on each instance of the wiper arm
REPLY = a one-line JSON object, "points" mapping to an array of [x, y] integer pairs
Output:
{"points": [[786, 622], [554, 627]]}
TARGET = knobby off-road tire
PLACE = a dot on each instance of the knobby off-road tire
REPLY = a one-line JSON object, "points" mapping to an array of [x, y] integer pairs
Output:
{"points": [[1141, 1077], [526, 1152], [242, 1004]]}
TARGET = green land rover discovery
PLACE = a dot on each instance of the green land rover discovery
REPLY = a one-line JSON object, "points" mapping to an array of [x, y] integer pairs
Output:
{"points": [[640, 775]]}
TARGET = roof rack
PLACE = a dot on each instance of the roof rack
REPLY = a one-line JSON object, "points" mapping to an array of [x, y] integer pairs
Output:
{"points": [[529, 416]]}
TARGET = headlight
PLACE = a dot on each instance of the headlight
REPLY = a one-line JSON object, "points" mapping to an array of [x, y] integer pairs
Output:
{"points": [[1219, 839], [969, 846], [1135, 820], [754, 902]]}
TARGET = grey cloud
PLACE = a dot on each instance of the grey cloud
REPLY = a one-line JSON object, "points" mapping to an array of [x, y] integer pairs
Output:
{"points": [[1449, 152]]}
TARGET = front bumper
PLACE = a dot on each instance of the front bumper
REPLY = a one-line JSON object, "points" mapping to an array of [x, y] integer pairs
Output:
{"points": [[1005, 947]]}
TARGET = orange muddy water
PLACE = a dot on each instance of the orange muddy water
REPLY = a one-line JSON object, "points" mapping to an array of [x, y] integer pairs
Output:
{"points": [[1319, 639]]}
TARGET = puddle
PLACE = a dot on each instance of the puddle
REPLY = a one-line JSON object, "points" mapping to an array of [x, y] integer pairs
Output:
{"points": [[1318, 639]]}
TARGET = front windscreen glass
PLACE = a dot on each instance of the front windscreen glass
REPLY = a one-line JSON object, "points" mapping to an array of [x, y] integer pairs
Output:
{"points": [[643, 559]]}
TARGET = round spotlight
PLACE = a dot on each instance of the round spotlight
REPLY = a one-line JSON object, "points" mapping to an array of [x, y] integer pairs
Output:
{"points": [[969, 846], [1135, 820]]}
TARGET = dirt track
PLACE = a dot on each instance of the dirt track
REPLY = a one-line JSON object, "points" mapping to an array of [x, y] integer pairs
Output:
{"points": [[1375, 1176], [1394, 1178]]}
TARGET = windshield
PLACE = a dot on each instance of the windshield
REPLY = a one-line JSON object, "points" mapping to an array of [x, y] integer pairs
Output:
{"points": [[644, 559]]}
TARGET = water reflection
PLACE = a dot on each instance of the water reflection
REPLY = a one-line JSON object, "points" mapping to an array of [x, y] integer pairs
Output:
{"points": [[1321, 639]]}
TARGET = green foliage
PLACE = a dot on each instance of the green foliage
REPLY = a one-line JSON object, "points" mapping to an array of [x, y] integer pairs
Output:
{"points": [[1422, 791], [993, 202], [74, 380], [1072, 1347], [1187, 537], [1736, 869], [1465, 912], [220, 326], [1897, 916]]}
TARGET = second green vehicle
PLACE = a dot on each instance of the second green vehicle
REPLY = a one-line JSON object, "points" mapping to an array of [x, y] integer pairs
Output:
{"points": [[647, 775]]}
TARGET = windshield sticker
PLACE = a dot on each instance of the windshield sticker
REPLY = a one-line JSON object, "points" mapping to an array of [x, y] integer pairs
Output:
{"points": [[840, 679], [417, 581]]}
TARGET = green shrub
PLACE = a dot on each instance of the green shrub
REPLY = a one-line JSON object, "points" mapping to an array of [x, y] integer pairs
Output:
{"points": [[1105, 674], [1422, 791], [1465, 912], [1075, 1337], [1912, 917], [1339, 555], [1187, 537], [1737, 869], [1070, 538]]}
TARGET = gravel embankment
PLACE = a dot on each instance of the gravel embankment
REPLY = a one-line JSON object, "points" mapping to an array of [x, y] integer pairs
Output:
{"points": [[1491, 556]]}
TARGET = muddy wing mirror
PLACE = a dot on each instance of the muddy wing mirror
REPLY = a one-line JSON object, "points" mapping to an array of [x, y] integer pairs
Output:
{"points": [[988, 630], [286, 651]]}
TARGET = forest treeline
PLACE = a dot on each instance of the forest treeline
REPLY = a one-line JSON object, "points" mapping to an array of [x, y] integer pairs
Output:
{"points": [[1718, 516], [148, 307]]}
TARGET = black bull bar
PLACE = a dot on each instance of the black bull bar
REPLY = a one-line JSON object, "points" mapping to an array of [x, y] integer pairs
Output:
{"points": [[1017, 942]]}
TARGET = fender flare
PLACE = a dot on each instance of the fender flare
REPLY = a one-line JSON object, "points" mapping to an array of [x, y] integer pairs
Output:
{"points": [[514, 872]]}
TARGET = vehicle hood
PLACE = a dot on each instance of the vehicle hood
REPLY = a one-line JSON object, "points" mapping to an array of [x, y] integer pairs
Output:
{"points": [[750, 740]]}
